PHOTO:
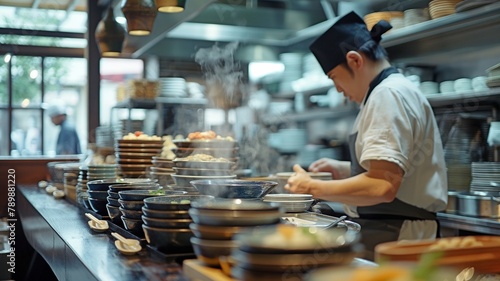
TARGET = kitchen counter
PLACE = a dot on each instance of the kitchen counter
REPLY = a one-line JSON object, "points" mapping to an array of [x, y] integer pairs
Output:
{"points": [[470, 224], [59, 232]]}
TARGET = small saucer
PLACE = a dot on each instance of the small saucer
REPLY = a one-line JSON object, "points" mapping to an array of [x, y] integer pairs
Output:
{"points": [[98, 227], [127, 249]]}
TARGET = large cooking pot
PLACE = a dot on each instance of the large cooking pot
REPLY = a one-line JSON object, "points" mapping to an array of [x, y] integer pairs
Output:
{"points": [[479, 204]]}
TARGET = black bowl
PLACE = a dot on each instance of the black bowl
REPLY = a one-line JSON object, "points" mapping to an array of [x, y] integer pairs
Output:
{"points": [[133, 214], [139, 195], [171, 214], [113, 212], [104, 184], [113, 201], [166, 223], [94, 194], [234, 188], [172, 202], [127, 186], [131, 205], [99, 206], [132, 225], [169, 240], [209, 251]]}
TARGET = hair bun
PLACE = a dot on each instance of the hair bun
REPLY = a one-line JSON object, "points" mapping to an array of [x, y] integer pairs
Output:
{"points": [[378, 29]]}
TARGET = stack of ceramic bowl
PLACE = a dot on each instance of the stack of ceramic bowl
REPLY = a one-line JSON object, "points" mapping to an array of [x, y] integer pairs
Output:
{"points": [[161, 171], [114, 207], [269, 253], [216, 222], [373, 18], [81, 188], [442, 8], [101, 171], [173, 87], [292, 72], [282, 179], [134, 156], [97, 195], [166, 224], [291, 203]]}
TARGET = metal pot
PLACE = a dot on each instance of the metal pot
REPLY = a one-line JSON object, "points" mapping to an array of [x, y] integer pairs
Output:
{"points": [[479, 205], [452, 206]]}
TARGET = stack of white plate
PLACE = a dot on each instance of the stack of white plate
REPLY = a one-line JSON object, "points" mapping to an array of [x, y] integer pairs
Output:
{"points": [[429, 87], [479, 84], [493, 79], [485, 177], [291, 203], [441, 8], [293, 70], [462, 85], [101, 171], [414, 16], [173, 87], [311, 66], [447, 87]]}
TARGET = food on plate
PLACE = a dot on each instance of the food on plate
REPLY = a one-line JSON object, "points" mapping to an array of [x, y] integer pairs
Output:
{"points": [[183, 201], [138, 135], [207, 135], [201, 157], [286, 235]]}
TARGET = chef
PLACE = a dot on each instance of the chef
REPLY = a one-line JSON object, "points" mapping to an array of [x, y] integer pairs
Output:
{"points": [[396, 179]]}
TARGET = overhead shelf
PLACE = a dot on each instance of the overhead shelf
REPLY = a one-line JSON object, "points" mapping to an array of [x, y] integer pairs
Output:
{"points": [[309, 115], [468, 35], [492, 96]]}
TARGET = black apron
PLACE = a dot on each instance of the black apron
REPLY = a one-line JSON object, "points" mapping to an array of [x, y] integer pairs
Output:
{"points": [[381, 222]]}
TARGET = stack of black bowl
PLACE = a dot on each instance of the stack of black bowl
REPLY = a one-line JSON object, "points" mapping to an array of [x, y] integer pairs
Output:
{"points": [[217, 221], [166, 222]]}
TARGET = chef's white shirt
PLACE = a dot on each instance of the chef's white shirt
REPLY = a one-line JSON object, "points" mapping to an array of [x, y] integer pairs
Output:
{"points": [[397, 124]]}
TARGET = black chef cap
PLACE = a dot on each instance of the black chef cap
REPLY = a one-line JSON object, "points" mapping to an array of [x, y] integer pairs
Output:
{"points": [[348, 33]]}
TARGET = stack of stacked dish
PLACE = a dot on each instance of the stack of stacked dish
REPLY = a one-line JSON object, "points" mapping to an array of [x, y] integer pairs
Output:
{"points": [[493, 79], [162, 170], [372, 18], [81, 188], [414, 16], [98, 193], [429, 87], [286, 250], [166, 222], [173, 87], [485, 177], [291, 203], [447, 87], [134, 155], [101, 171], [463, 85], [441, 8], [216, 222], [114, 207]]}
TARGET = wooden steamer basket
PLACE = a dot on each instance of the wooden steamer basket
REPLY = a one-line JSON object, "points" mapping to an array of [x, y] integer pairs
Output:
{"points": [[480, 252]]}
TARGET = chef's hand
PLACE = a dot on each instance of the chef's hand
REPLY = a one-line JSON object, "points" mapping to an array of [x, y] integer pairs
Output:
{"points": [[299, 181], [338, 169]]}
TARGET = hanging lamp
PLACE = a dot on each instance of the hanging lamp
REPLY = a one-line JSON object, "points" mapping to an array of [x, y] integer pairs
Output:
{"points": [[170, 6], [140, 15], [110, 35]]}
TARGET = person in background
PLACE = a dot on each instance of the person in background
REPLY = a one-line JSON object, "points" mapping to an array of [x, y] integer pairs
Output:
{"points": [[68, 141], [396, 180]]}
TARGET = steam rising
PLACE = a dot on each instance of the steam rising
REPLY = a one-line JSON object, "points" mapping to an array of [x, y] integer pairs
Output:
{"points": [[219, 67]]}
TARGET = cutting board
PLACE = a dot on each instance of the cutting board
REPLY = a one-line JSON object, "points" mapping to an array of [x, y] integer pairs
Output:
{"points": [[197, 271]]}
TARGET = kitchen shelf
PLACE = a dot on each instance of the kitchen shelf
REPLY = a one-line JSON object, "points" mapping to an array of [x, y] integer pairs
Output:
{"points": [[465, 35], [491, 96], [309, 115], [319, 90]]}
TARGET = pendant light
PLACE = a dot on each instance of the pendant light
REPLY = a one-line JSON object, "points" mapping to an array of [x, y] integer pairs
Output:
{"points": [[170, 6], [110, 35], [140, 15]]}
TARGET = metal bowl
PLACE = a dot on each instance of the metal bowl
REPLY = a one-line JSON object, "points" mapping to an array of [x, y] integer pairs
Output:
{"points": [[234, 188]]}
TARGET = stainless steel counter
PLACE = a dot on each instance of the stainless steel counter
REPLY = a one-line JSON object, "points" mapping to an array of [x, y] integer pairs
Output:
{"points": [[470, 224]]}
